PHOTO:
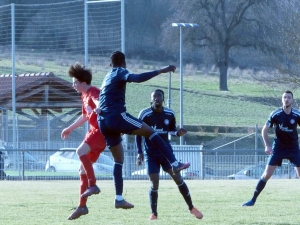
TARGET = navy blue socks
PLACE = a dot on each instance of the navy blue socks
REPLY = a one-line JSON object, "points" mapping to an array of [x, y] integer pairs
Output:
{"points": [[259, 187], [118, 179], [153, 196], [184, 190]]}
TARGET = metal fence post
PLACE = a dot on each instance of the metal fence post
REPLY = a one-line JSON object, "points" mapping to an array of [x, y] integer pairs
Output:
{"points": [[202, 162], [256, 144]]}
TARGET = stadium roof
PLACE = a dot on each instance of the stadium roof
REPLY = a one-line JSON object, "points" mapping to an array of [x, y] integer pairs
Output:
{"points": [[38, 91]]}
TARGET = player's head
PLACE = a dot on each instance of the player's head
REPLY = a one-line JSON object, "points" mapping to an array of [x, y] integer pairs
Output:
{"points": [[117, 59], [157, 98], [287, 98], [81, 76], [80, 72]]}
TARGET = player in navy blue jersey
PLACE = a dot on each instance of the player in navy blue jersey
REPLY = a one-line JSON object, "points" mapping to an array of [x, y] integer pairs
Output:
{"points": [[285, 145], [114, 121], [162, 120]]}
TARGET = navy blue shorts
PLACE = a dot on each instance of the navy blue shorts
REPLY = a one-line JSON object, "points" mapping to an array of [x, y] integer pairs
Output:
{"points": [[276, 158], [153, 163], [112, 127]]}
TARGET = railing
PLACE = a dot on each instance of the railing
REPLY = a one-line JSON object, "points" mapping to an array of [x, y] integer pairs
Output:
{"points": [[41, 164]]}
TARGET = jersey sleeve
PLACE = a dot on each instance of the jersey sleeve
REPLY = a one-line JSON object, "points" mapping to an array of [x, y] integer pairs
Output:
{"points": [[138, 78], [83, 109], [172, 126], [94, 95], [297, 114], [124, 75], [270, 121], [140, 115], [82, 105]]}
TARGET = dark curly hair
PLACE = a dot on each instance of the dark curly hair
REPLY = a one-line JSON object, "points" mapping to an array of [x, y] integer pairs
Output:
{"points": [[81, 73]]}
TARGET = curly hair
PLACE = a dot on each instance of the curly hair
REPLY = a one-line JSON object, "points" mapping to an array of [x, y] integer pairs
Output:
{"points": [[81, 73]]}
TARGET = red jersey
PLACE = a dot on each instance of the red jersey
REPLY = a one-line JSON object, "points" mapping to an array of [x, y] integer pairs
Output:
{"points": [[88, 105]]}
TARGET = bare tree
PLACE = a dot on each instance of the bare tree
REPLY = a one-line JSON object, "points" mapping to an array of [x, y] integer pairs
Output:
{"points": [[143, 26], [281, 26], [224, 24]]}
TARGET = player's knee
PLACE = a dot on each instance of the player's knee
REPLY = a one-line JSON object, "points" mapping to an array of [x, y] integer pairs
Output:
{"points": [[154, 183], [266, 177], [81, 170], [178, 179], [154, 186]]}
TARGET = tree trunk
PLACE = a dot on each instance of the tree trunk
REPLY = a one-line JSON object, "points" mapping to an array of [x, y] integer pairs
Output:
{"points": [[223, 67]]}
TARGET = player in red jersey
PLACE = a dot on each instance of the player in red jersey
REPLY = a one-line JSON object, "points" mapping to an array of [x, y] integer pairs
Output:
{"points": [[94, 143]]}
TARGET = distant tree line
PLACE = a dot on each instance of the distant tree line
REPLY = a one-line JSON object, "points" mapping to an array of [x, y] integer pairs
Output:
{"points": [[255, 34]]}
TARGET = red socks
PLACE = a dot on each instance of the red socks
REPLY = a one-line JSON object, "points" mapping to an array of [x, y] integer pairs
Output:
{"points": [[82, 188], [88, 167]]}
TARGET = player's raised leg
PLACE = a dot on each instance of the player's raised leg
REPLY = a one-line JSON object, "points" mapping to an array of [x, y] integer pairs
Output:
{"points": [[149, 133]]}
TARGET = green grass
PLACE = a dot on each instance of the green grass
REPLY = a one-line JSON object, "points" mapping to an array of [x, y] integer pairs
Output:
{"points": [[48, 202], [248, 102], [51, 174], [204, 104]]}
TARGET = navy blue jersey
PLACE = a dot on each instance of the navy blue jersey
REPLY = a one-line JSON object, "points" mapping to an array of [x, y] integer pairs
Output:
{"points": [[162, 122], [112, 96], [286, 135]]}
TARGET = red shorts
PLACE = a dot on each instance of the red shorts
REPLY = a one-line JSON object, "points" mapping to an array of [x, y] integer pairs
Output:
{"points": [[97, 143]]}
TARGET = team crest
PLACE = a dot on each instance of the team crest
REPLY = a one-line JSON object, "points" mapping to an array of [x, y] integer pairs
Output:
{"points": [[292, 121], [166, 121]]}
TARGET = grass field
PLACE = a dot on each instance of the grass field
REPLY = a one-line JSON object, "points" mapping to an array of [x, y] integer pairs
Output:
{"points": [[49, 202], [248, 102]]}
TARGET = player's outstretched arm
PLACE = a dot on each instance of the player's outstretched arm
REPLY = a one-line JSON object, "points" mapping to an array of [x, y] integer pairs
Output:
{"points": [[138, 78], [66, 132], [167, 69]]}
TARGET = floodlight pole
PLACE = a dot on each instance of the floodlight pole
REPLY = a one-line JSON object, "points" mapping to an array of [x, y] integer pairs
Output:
{"points": [[180, 25], [169, 91], [13, 77], [86, 36], [123, 26]]}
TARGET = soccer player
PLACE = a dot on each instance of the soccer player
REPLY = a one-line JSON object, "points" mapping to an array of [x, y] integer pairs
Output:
{"points": [[114, 121], [162, 120], [285, 145], [93, 143]]}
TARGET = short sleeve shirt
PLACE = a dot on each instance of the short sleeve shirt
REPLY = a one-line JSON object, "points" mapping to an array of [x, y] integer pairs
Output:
{"points": [[112, 96], [286, 135], [162, 122], [88, 105]]}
